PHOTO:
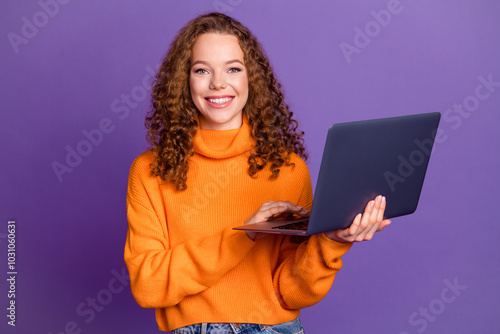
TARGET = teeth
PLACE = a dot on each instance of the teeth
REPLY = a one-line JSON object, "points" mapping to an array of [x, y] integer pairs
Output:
{"points": [[220, 101]]}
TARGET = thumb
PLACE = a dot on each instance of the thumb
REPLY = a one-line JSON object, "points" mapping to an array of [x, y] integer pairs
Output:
{"points": [[383, 224]]}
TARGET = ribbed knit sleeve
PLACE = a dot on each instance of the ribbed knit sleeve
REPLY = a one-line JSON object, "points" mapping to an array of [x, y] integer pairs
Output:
{"points": [[306, 272], [161, 275], [307, 266]]}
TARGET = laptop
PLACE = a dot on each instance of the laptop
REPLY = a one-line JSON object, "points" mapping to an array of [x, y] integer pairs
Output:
{"points": [[363, 159]]}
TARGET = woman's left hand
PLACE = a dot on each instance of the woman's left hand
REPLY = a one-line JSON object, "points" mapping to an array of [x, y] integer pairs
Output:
{"points": [[364, 225]]}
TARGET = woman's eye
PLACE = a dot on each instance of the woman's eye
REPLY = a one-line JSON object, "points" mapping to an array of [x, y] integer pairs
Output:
{"points": [[201, 71], [234, 70]]}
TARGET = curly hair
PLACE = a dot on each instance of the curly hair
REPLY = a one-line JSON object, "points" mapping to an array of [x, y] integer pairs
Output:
{"points": [[173, 119]]}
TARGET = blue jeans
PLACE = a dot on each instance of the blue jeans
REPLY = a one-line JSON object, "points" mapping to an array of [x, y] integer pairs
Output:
{"points": [[291, 327]]}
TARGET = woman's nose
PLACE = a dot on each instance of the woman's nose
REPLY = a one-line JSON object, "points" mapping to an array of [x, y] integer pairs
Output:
{"points": [[218, 82]]}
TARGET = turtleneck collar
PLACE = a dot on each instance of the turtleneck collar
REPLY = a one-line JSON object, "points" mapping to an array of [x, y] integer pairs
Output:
{"points": [[224, 144]]}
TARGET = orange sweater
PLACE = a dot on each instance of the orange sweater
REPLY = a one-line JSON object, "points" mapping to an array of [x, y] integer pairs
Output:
{"points": [[185, 259]]}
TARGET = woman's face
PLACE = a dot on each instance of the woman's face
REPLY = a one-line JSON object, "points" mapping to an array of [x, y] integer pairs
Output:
{"points": [[218, 81]]}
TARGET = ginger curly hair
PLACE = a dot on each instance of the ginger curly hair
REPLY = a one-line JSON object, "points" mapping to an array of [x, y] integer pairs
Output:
{"points": [[173, 119]]}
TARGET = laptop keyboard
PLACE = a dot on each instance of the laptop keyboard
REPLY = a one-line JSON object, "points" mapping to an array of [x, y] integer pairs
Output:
{"points": [[293, 226]]}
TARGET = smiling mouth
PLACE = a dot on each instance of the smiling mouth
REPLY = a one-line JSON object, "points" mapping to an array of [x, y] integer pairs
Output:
{"points": [[220, 100]]}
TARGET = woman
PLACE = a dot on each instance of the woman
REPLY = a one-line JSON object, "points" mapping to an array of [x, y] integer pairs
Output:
{"points": [[225, 150]]}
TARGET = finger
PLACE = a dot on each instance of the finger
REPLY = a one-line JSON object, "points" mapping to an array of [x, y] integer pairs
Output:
{"points": [[377, 228], [266, 211], [300, 212], [373, 217], [381, 210], [275, 209], [370, 231], [360, 236], [272, 204], [384, 224], [370, 220], [268, 204], [293, 209], [283, 207], [355, 225], [365, 218]]}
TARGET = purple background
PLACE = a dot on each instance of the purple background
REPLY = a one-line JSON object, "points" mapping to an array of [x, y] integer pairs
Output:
{"points": [[70, 74]]}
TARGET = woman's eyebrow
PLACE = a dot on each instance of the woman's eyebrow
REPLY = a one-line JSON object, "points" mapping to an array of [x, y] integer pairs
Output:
{"points": [[227, 62], [200, 62], [234, 61]]}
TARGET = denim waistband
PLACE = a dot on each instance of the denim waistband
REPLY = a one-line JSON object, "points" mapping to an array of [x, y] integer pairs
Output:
{"points": [[234, 328], [218, 328]]}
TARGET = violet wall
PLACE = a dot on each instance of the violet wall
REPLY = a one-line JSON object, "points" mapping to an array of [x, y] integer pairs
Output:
{"points": [[71, 70]]}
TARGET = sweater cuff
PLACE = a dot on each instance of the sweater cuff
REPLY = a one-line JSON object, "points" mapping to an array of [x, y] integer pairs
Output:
{"points": [[330, 246]]}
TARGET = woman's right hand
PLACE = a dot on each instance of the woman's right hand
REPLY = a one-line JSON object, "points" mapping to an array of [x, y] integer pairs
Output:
{"points": [[272, 208]]}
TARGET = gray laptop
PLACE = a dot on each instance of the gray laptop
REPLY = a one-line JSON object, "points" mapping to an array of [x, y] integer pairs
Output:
{"points": [[385, 156]]}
